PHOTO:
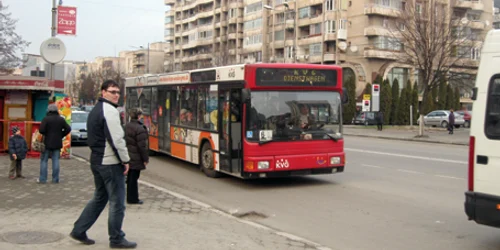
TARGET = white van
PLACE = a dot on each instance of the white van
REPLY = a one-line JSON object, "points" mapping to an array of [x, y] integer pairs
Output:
{"points": [[482, 200]]}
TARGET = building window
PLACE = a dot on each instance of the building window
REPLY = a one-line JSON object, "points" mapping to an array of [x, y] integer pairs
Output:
{"points": [[304, 12], [418, 8], [169, 32], [342, 24], [279, 35], [253, 40], [253, 8], [475, 53], [330, 26], [280, 18], [253, 24], [205, 34], [331, 5], [169, 19], [233, 13], [289, 52], [315, 29], [315, 49]]}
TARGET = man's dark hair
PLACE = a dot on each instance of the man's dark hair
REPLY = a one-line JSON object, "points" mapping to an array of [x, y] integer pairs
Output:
{"points": [[108, 84]]}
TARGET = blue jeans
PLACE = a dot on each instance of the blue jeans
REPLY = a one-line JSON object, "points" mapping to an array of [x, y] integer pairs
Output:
{"points": [[44, 159], [109, 186]]}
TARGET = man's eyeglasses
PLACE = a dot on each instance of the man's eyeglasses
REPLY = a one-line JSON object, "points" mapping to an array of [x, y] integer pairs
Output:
{"points": [[114, 92]]}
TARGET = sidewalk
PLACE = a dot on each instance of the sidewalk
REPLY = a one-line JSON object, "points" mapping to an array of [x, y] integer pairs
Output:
{"points": [[435, 135], [40, 216]]}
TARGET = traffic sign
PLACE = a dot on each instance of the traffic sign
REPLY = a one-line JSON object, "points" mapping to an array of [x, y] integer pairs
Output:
{"points": [[366, 96], [66, 20]]}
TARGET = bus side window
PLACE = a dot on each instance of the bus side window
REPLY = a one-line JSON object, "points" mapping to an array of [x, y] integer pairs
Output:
{"points": [[492, 119]]}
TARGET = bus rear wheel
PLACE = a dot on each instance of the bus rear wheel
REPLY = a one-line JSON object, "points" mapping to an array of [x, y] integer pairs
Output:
{"points": [[207, 161]]}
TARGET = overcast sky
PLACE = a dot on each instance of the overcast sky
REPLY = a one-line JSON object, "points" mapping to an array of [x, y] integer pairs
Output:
{"points": [[104, 27]]}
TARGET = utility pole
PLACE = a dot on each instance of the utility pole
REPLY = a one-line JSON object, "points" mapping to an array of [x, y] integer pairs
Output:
{"points": [[148, 60], [53, 34]]}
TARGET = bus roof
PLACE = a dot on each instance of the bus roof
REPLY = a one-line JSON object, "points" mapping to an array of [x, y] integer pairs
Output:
{"points": [[215, 74]]}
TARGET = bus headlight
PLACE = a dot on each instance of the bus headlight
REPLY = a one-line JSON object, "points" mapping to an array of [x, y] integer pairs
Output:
{"points": [[334, 160], [263, 165]]}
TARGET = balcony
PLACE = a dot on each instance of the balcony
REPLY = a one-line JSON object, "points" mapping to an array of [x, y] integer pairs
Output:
{"points": [[309, 39], [376, 31], [139, 61], [381, 10], [376, 53], [470, 4], [467, 63], [301, 4], [477, 25], [169, 2]]}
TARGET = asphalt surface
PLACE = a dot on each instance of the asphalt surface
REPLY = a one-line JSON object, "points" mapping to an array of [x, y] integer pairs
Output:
{"points": [[392, 195]]}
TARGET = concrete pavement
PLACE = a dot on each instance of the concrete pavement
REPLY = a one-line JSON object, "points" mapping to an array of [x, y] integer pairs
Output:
{"points": [[40, 216], [434, 135]]}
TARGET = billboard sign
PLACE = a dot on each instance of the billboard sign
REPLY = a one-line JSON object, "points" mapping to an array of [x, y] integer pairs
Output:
{"points": [[66, 20]]}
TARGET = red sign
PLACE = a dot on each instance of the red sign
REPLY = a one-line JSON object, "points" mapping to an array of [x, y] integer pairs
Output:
{"points": [[367, 103], [66, 20], [22, 83], [375, 87]]}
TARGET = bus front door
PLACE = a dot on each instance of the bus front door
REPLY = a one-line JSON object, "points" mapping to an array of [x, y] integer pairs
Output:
{"points": [[230, 131], [165, 99]]}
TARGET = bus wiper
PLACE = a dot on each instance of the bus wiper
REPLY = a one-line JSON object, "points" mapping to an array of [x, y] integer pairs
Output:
{"points": [[335, 137]]}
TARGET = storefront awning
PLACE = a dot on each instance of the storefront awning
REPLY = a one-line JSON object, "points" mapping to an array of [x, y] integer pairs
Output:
{"points": [[30, 83]]}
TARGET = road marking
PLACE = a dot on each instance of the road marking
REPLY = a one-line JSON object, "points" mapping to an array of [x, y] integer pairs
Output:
{"points": [[227, 215], [409, 171], [450, 177], [405, 156], [371, 166]]}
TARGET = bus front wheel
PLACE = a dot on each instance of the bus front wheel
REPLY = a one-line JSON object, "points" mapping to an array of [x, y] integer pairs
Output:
{"points": [[207, 161]]}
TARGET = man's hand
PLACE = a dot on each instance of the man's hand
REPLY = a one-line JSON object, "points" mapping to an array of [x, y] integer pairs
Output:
{"points": [[126, 169], [14, 156], [145, 163]]}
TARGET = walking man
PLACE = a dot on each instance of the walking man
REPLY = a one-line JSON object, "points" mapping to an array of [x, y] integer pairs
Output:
{"points": [[109, 164], [451, 122], [53, 128], [380, 120]]}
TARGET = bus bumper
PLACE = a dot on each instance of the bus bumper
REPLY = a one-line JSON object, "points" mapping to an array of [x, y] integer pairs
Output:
{"points": [[483, 208], [289, 173]]}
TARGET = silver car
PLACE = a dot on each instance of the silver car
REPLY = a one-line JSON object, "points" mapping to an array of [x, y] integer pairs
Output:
{"points": [[79, 126], [440, 118]]}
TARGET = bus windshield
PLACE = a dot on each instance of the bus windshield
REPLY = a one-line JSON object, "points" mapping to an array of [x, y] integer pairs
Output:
{"points": [[293, 115]]}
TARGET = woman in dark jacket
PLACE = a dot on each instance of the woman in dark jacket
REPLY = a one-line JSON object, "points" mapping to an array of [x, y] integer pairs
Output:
{"points": [[136, 136]]}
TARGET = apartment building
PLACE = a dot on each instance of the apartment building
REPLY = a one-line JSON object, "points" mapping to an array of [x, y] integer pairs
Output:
{"points": [[351, 33], [144, 60]]}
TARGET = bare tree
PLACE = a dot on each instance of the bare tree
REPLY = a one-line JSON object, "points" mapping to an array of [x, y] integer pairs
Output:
{"points": [[429, 37], [90, 88], [72, 86], [10, 42]]}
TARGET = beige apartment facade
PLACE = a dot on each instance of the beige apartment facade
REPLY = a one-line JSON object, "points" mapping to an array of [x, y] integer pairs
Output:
{"points": [[351, 33]]}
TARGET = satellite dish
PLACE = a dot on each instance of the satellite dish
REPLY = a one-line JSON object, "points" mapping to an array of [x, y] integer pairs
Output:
{"points": [[354, 48], [342, 46], [53, 50], [464, 20]]}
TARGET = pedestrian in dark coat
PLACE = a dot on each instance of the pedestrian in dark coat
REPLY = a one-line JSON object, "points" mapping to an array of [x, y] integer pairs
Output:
{"points": [[136, 136], [18, 148], [451, 122], [380, 120], [53, 128]]}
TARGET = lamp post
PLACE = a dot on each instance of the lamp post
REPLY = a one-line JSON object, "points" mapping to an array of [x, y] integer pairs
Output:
{"points": [[265, 30], [288, 11]]}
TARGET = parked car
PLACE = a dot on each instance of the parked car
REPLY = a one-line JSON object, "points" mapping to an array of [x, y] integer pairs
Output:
{"points": [[366, 118], [467, 117], [79, 126], [440, 118], [87, 108]]}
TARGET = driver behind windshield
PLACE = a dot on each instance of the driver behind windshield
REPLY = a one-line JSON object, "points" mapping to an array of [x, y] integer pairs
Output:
{"points": [[306, 119]]}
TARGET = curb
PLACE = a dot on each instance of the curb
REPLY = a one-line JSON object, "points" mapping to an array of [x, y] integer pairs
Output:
{"points": [[225, 214], [409, 139]]}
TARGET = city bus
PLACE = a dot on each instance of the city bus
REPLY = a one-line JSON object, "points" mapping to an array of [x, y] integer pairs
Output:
{"points": [[248, 121]]}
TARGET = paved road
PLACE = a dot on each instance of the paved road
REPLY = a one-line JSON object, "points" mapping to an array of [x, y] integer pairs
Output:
{"points": [[393, 195]]}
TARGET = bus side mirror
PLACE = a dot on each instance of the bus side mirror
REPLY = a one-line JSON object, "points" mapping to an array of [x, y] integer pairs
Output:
{"points": [[345, 97], [245, 95], [474, 94]]}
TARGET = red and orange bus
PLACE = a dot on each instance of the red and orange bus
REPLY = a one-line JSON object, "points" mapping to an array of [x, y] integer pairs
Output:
{"points": [[249, 121]]}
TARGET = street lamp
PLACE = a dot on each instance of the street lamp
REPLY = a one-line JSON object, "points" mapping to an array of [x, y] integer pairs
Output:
{"points": [[265, 52], [287, 11]]}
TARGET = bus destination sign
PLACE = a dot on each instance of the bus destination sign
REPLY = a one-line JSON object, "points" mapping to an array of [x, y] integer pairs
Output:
{"points": [[296, 77]]}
